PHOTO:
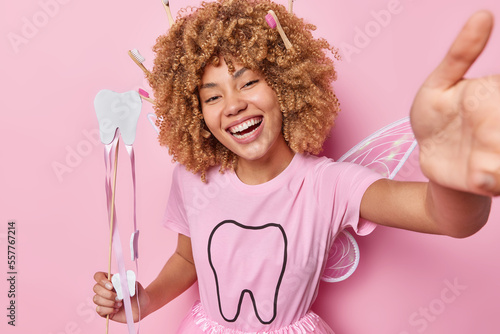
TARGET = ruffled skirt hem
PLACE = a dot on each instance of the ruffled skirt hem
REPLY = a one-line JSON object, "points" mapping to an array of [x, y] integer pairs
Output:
{"points": [[197, 322]]}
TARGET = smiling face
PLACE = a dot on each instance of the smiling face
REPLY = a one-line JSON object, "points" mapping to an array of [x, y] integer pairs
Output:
{"points": [[242, 112]]}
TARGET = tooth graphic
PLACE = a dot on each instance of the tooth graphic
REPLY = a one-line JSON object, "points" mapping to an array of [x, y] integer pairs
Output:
{"points": [[117, 110], [235, 267]]}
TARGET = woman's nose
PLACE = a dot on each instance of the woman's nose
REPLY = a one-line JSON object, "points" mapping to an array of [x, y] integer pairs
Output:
{"points": [[234, 104]]}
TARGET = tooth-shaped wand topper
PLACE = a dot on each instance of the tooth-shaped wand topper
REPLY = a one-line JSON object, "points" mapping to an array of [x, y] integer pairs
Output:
{"points": [[117, 111]]}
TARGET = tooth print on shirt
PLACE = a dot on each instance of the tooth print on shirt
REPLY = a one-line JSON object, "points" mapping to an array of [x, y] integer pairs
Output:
{"points": [[259, 250], [254, 245]]}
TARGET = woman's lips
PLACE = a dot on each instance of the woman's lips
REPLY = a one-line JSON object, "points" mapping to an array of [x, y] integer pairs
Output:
{"points": [[247, 130]]}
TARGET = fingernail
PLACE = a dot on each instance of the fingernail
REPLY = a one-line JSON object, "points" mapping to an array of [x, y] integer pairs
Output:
{"points": [[109, 286], [117, 299], [118, 305]]}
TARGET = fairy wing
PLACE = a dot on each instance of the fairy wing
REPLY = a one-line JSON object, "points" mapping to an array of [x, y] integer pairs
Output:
{"points": [[385, 152], [152, 119]]}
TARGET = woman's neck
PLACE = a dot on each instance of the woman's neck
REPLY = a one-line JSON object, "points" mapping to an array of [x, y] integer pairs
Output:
{"points": [[253, 172]]}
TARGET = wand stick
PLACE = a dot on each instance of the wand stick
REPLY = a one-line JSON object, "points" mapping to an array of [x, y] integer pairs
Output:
{"points": [[112, 221]]}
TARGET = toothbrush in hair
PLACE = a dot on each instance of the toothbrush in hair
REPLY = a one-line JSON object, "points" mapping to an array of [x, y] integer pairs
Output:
{"points": [[138, 59], [273, 22], [169, 13], [145, 96]]}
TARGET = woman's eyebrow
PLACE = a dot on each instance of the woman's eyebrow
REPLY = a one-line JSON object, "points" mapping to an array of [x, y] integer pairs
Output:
{"points": [[239, 73], [236, 75], [208, 85]]}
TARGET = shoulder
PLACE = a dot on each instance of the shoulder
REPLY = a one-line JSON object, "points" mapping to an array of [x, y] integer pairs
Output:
{"points": [[188, 179], [313, 163], [324, 166]]}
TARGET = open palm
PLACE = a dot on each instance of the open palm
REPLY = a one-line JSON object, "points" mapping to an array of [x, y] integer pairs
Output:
{"points": [[457, 121]]}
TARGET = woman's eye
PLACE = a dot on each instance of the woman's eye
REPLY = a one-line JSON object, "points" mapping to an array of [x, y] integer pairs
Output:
{"points": [[250, 83], [211, 99]]}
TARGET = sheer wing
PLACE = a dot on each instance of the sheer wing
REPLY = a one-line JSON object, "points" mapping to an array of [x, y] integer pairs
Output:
{"points": [[343, 258], [385, 152], [152, 119]]}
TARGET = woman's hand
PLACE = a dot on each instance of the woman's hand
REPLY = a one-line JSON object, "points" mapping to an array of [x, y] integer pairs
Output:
{"points": [[457, 121], [105, 299], [177, 275]]}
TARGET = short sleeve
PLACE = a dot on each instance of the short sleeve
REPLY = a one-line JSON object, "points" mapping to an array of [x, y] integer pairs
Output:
{"points": [[175, 217], [346, 192]]}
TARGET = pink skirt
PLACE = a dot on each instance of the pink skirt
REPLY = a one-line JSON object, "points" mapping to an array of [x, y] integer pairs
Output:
{"points": [[197, 322]]}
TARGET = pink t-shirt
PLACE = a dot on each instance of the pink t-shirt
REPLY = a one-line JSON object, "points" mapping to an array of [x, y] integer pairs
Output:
{"points": [[260, 250]]}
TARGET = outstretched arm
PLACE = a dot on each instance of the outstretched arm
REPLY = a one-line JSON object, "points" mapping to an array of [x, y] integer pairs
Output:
{"points": [[457, 124], [425, 207]]}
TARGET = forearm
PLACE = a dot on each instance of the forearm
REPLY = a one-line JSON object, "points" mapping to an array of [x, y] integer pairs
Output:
{"points": [[456, 213], [176, 277], [425, 207]]}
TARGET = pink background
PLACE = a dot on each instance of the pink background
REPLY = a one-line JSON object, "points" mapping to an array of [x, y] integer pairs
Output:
{"points": [[54, 70]]}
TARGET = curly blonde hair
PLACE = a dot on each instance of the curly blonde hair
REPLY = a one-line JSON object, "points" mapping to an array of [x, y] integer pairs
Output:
{"points": [[237, 30]]}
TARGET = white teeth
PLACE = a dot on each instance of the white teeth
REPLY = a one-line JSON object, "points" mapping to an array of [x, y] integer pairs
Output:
{"points": [[243, 136], [243, 126]]}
